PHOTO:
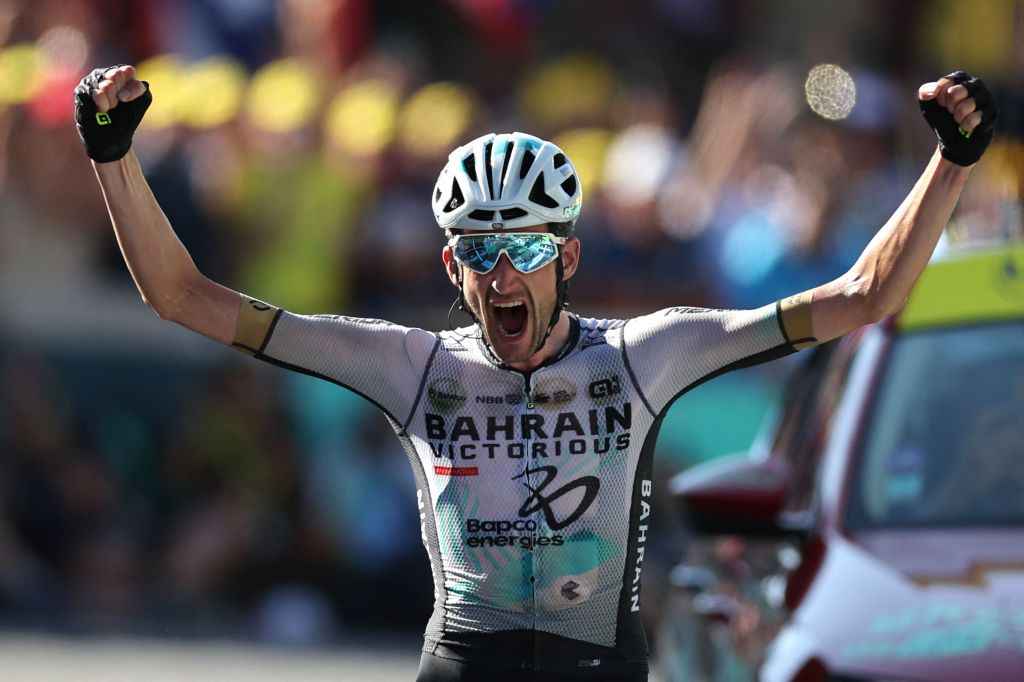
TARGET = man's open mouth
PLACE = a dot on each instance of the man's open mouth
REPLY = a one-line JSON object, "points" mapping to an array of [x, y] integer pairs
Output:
{"points": [[511, 317]]}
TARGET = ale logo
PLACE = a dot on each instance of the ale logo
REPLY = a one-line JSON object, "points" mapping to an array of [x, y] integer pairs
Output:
{"points": [[541, 501], [602, 390], [103, 119]]}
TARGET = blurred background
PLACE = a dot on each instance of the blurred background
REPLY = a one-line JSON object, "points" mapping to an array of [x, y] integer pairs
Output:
{"points": [[154, 483]]}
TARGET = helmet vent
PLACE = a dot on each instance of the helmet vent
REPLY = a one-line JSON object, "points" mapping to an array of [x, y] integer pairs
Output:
{"points": [[528, 159], [512, 213], [469, 165], [538, 196], [437, 194], [481, 215], [457, 198], [504, 166], [487, 169], [559, 160], [569, 185]]}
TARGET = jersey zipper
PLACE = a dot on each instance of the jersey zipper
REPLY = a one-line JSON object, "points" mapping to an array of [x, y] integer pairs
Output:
{"points": [[530, 407]]}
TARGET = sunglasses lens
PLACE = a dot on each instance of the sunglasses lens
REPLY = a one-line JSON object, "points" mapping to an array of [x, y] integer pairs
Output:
{"points": [[476, 254], [528, 252], [533, 254]]}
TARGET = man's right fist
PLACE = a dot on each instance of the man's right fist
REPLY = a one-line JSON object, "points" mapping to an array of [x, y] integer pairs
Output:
{"points": [[109, 105]]}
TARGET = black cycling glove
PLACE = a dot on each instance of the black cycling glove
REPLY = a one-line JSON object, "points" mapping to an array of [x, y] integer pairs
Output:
{"points": [[107, 136], [961, 147]]}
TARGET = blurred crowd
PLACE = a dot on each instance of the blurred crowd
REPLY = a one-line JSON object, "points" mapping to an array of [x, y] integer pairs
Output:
{"points": [[293, 144]]}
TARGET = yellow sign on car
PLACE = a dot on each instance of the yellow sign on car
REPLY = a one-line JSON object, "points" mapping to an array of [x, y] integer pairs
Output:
{"points": [[972, 287]]}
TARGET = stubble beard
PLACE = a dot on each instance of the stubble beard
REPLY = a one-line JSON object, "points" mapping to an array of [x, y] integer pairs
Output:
{"points": [[537, 326]]}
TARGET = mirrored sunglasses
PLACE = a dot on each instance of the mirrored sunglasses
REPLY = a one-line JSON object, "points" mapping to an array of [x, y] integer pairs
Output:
{"points": [[528, 251]]}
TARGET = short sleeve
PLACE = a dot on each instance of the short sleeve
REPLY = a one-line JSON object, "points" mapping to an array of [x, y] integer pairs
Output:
{"points": [[381, 361], [673, 350]]}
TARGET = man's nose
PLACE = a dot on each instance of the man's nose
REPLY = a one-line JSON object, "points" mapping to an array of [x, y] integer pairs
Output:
{"points": [[504, 275]]}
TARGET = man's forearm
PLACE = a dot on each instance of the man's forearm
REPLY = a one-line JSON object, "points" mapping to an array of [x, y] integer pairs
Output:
{"points": [[159, 263], [156, 258], [896, 256], [881, 279]]}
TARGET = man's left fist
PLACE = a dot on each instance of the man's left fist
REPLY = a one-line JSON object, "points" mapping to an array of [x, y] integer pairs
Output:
{"points": [[962, 112]]}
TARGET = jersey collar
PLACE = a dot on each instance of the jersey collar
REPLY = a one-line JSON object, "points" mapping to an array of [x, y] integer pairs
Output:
{"points": [[567, 347]]}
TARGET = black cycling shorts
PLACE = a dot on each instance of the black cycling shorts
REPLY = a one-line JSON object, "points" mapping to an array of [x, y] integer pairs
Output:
{"points": [[437, 669]]}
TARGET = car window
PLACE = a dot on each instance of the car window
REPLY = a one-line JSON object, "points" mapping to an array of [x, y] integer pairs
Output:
{"points": [[814, 429], [944, 444], [809, 401]]}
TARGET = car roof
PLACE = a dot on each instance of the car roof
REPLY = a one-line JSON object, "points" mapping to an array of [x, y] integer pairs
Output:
{"points": [[982, 284]]}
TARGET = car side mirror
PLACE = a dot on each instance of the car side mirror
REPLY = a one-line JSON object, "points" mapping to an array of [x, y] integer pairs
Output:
{"points": [[735, 495]]}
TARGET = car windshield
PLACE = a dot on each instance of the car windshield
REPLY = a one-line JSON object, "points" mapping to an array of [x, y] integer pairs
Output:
{"points": [[944, 445]]}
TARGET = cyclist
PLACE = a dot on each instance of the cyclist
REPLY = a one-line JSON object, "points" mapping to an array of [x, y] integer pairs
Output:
{"points": [[530, 433]]}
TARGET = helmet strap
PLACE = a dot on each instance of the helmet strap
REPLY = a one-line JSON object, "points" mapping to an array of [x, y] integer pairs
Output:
{"points": [[562, 287], [461, 301]]}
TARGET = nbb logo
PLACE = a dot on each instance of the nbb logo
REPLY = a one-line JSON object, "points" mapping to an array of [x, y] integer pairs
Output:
{"points": [[508, 399]]}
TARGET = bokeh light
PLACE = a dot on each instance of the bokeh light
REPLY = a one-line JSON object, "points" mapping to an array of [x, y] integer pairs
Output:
{"points": [[283, 95], [361, 119], [63, 49], [19, 66], [831, 92], [587, 148], [572, 90], [220, 82], [436, 118], [166, 77]]}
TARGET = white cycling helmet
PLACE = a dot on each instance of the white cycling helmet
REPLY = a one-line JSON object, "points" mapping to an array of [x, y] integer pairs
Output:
{"points": [[506, 181]]}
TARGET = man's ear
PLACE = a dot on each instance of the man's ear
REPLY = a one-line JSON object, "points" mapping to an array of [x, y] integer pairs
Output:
{"points": [[570, 257], [450, 266]]}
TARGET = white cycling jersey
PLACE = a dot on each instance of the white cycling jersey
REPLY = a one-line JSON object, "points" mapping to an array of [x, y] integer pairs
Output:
{"points": [[534, 488]]}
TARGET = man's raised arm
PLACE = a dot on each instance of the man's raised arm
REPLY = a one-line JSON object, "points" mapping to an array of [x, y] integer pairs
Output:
{"points": [[962, 113], [109, 104]]}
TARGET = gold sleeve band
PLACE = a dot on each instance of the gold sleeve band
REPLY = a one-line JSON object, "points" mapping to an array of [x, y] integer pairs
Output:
{"points": [[795, 318], [256, 320]]}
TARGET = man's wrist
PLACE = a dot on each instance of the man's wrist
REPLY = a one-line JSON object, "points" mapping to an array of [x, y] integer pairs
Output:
{"points": [[120, 170], [951, 169], [113, 162]]}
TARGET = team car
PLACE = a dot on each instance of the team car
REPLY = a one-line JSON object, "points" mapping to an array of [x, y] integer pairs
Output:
{"points": [[876, 530]]}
